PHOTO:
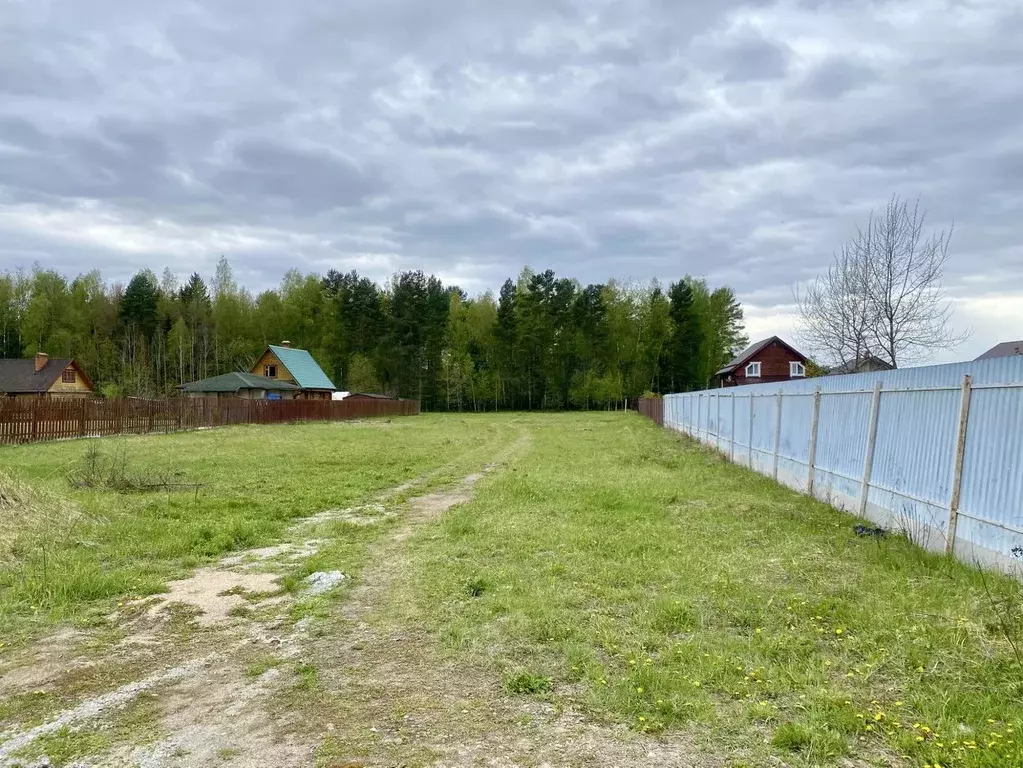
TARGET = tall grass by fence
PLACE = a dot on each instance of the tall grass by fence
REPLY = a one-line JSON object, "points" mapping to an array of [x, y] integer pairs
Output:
{"points": [[934, 451], [36, 419]]}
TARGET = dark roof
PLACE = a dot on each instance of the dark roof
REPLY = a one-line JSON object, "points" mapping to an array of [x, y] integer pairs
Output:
{"points": [[753, 349], [20, 376], [233, 382], [867, 364], [303, 368], [371, 395], [1005, 349]]}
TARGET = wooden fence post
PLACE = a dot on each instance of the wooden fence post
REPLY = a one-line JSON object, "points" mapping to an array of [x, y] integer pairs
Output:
{"points": [[752, 406], [777, 431], [868, 463], [83, 418], [35, 418], [812, 459], [957, 466]]}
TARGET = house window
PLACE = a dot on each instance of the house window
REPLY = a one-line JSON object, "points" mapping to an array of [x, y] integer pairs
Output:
{"points": [[753, 371], [68, 377], [797, 369], [270, 371]]}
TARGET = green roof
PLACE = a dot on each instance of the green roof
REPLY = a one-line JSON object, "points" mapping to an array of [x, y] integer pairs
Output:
{"points": [[303, 368], [233, 382]]}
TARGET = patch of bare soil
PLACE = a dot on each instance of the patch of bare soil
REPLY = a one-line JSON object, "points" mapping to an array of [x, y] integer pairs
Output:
{"points": [[41, 663], [215, 592]]}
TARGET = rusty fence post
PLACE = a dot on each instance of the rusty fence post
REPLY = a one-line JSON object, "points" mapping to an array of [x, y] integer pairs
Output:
{"points": [[868, 462], [957, 467], [812, 458]]}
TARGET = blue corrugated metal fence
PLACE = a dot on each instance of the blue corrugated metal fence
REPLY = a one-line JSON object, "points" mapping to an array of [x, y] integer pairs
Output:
{"points": [[934, 451]]}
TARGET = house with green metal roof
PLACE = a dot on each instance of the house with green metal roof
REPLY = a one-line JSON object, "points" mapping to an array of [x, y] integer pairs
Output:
{"points": [[248, 386], [282, 362]]}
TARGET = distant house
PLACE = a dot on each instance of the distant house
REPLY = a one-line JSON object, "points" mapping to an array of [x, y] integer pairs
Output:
{"points": [[295, 366], [770, 360], [42, 377], [1005, 349], [247, 386], [866, 364]]}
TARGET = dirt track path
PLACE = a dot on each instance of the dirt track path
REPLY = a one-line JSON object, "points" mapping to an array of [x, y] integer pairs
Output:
{"points": [[365, 688]]}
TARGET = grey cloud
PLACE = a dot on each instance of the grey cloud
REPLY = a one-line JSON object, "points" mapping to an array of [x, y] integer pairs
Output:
{"points": [[753, 58], [633, 138], [313, 180], [834, 78]]}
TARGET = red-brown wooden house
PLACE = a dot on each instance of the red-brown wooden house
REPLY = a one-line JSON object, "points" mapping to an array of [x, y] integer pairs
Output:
{"points": [[770, 360]]}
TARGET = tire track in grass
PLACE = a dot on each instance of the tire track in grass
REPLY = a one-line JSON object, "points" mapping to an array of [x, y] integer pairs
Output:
{"points": [[393, 700], [185, 731]]}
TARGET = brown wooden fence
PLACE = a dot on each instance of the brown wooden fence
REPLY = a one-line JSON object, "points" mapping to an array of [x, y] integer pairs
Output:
{"points": [[32, 420], [652, 408]]}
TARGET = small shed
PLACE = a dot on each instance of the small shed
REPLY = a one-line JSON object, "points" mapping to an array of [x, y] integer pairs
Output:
{"points": [[42, 377], [247, 386], [356, 396], [866, 364]]}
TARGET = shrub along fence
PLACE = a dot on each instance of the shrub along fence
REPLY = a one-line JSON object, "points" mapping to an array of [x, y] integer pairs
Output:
{"points": [[936, 452], [36, 419]]}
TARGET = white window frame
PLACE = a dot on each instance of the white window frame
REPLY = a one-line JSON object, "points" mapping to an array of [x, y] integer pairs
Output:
{"points": [[796, 369], [753, 370]]}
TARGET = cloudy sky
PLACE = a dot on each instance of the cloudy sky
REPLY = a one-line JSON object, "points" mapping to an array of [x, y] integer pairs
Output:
{"points": [[739, 141]]}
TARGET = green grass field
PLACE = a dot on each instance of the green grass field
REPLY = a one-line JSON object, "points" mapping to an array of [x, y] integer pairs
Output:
{"points": [[68, 554], [610, 567]]}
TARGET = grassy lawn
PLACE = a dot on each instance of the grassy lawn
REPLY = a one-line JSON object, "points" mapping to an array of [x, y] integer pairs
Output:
{"points": [[621, 570], [67, 553], [610, 567]]}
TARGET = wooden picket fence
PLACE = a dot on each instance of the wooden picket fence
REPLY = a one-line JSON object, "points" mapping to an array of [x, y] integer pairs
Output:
{"points": [[37, 419]]}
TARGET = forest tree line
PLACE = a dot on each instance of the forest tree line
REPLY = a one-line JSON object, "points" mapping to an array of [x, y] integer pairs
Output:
{"points": [[542, 342]]}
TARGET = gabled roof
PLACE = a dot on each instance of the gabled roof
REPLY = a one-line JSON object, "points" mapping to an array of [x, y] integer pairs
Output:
{"points": [[236, 381], [20, 376], [1005, 349], [755, 348], [303, 368], [867, 364]]}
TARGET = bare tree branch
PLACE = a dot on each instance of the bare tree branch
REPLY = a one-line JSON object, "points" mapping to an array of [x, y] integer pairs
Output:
{"points": [[883, 294]]}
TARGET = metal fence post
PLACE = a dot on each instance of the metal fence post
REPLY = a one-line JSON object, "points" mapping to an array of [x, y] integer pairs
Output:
{"points": [[957, 466], [812, 459], [751, 407], [717, 431], [777, 431], [868, 463], [731, 432]]}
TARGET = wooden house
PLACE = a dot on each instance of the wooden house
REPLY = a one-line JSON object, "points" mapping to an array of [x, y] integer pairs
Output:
{"points": [[295, 366], [42, 377], [770, 360]]}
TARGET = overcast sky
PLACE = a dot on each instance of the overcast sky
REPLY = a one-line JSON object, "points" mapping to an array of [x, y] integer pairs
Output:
{"points": [[737, 141]]}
